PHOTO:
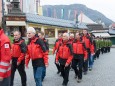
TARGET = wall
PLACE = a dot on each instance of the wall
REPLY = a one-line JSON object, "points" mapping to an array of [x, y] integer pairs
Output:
{"points": [[29, 6], [0, 10]]}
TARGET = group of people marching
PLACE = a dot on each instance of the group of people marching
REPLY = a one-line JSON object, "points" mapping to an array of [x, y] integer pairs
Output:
{"points": [[78, 53], [17, 55], [72, 52]]}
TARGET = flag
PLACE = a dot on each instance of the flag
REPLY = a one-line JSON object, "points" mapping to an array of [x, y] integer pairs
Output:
{"points": [[69, 14], [37, 6], [81, 16], [62, 13], [55, 13], [76, 16], [49, 12]]}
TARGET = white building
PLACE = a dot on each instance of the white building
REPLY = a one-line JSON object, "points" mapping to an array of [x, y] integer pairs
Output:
{"points": [[29, 6], [7, 6]]}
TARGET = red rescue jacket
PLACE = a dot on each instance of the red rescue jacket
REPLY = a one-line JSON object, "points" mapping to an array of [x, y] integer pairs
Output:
{"points": [[35, 51], [16, 50], [5, 55], [57, 43], [65, 52], [88, 43], [79, 48]]}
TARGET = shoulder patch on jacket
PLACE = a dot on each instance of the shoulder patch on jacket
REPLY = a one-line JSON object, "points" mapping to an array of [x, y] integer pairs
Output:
{"points": [[6, 46]]}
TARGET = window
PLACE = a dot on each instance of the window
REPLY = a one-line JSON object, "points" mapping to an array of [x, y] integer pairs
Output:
{"points": [[62, 31], [15, 5], [8, 0], [50, 33], [37, 29]]}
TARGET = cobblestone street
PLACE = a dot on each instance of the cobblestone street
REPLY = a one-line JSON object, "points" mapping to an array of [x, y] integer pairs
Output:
{"points": [[103, 73]]}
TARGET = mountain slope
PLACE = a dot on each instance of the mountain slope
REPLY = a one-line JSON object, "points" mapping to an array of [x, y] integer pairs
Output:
{"points": [[56, 10]]}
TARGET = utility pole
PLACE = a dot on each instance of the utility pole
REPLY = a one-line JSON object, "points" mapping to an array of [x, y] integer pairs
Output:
{"points": [[3, 19]]}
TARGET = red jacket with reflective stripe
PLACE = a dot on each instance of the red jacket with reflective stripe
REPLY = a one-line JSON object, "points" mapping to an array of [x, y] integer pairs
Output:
{"points": [[5, 55], [16, 51], [88, 43], [79, 48], [35, 51], [65, 52], [57, 43]]}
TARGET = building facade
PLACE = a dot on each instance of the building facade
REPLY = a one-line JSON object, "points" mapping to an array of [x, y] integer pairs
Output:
{"points": [[0, 10], [28, 6], [7, 7]]}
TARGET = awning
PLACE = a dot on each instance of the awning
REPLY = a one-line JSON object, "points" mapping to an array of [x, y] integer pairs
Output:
{"points": [[15, 23], [101, 34], [112, 31]]}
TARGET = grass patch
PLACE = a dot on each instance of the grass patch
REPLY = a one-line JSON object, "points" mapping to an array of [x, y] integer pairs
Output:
{"points": [[51, 46], [50, 52], [11, 39]]}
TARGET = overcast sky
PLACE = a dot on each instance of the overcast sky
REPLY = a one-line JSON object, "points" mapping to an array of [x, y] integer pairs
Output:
{"points": [[107, 7]]}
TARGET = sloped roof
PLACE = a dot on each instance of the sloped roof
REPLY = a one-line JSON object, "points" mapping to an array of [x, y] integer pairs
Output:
{"points": [[83, 18], [95, 26], [81, 26], [113, 25], [33, 18], [101, 34], [112, 31]]}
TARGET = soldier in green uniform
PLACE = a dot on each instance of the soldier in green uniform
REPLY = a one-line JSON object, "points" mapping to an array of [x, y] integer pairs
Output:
{"points": [[102, 45], [109, 45], [97, 47], [105, 45]]}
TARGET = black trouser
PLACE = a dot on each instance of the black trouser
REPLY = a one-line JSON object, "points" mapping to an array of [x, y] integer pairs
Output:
{"points": [[77, 64], [102, 50], [105, 49], [85, 64], [21, 70], [58, 66], [108, 49], [65, 73], [97, 53]]}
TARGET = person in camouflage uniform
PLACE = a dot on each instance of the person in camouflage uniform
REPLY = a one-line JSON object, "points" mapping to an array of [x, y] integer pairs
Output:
{"points": [[109, 44], [98, 46], [102, 45]]}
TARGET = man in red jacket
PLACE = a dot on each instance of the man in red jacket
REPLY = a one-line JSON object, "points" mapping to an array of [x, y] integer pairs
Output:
{"points": [[18, 58], [5, 58], [71, 38], [89, 46], [56, 45], [36, 50], [80, 55], [64, 57], [41, 35]]}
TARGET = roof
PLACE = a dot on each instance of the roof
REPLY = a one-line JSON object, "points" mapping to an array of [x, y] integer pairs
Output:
{"points": [[113, 25], [101, 34], [95, 26], [112, 31], [83, 18], [81, 26], [33, 18]]}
